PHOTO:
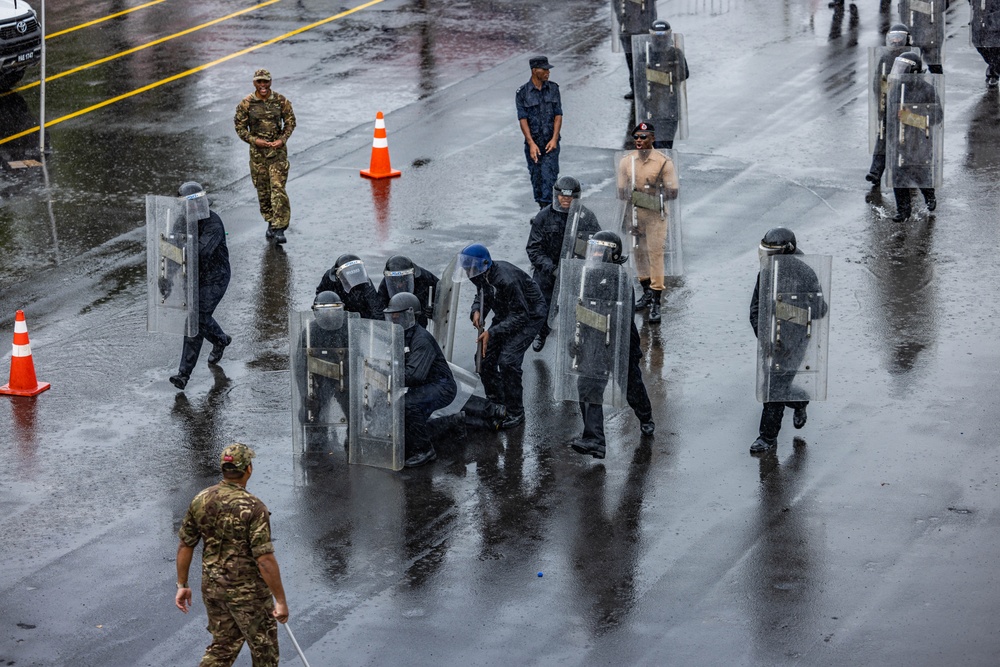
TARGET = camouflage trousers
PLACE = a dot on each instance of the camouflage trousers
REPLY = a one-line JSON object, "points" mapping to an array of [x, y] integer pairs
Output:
{"points": [[233, 622], [269, 177]]}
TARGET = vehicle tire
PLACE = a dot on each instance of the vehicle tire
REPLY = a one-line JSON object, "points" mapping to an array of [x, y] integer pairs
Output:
{"points": [[10, 79]]}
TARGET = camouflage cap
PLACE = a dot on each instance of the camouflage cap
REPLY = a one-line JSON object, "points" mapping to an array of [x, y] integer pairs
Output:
{"points": [[237, 455], [262, 75]]}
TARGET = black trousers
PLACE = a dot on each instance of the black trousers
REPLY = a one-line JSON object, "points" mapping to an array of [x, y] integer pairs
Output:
{"points": [[592, 411], [904, 198], [771, 415], [420, 403], [501, 368], [209, 297], [546, 284]]}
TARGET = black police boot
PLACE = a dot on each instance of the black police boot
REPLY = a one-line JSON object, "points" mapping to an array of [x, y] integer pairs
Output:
{"points": [[647, 295], [762, 444], [180, 380], [539, 343], [279, 236], [930, 199], [647, 428], [629, 95], [218, 350], [902, 215], [512, 420], [799, 418], [588, 447], [873, 178], [423, 458], [495, 415], [654, 307]]}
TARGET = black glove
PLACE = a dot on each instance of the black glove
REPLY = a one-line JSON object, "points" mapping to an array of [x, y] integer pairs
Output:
{"points": [[164, 286]]}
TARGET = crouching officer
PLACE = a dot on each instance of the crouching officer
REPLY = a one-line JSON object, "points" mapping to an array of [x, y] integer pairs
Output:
{"points": [[605, 247], [349, 279], [402, 275], [547, 240], [213, 281], [430, 384], [519, 311]]}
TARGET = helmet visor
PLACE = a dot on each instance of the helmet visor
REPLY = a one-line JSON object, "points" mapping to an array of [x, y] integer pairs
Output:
{"points": [[197, 204], [896, 38], [562, 199], [399, 281], [600, 251], [404, 318], [352, 274], [330, 316], [903, 66], [469, 266]]}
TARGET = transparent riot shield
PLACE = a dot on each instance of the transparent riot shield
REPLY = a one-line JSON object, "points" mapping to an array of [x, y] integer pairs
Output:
{"points": [[914, 150], [925, 19], [660, 71], [880, 60], [319, 363], [649, 191], [581, 224], [793, 328], [984, 24], [377, 394], [467, 382], [630, 17], [595, 319], [446, 311], [171, 266]]}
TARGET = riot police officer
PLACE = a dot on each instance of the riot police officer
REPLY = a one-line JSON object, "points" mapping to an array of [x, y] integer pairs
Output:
{"points": [[788, 351], [897, 41], [349, 279], [430, 384], [519, 311], [662, 103], [547, 240], [633, 17], [606, 246], [402, 275], [322, 373], [213, 281], [984, 28]]}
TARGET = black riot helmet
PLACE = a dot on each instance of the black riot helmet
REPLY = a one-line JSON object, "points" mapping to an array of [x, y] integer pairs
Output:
{"points": [[350, 271], [328, 309], [908, 63], [195, 194], [566, 186], [777, 241], [399, 275], [898, 35], [402, 310], [605, 246], [659, 27]]}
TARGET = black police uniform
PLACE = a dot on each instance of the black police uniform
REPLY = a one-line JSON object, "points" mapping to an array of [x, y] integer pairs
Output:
{"points": [[519, 311], [796, 276], [540, 108], [919, 148], [424, 282], [664, 103], [363, 299], [884, 65], [545, 247], [213, 280], [430, 386], [634, 18]]}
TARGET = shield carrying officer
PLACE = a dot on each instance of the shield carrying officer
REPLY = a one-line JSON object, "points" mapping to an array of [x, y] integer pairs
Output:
{"points": [[321, 367], [240, 579], [430, 384], [591, 341], [539, 115], [547, 239], [213, 281], [402, 275], [265, 120], [984, 29], [631, 17], [349, 279], [787, 312], [881, 59], [661, 70], [519, 311], [926, 21]]}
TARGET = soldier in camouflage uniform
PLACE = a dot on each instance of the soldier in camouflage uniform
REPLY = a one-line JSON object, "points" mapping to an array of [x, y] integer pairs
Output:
{"points": [[265, 120], [239, 573]]}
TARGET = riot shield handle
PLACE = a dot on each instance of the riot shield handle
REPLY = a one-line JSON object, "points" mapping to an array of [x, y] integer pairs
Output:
{"points": [[635, 218], [480, 348]]}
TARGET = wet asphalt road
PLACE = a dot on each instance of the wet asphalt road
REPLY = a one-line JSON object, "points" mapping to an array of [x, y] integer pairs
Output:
{"points": [[872, 540]]}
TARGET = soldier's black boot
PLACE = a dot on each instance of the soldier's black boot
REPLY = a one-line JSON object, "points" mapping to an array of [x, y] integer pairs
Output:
{"points": [[279, 235], [218, 350], [647, 295], [654, 306], [180, 380]]}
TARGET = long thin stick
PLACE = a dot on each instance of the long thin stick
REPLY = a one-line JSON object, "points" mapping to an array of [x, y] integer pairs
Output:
{"points": [[302, 656]]}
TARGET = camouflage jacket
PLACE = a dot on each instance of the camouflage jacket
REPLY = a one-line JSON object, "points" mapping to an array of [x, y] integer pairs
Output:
{"points": [[236, 528], [268, 119]]}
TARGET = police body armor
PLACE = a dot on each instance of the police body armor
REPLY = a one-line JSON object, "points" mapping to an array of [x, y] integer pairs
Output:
{"points": [[984, 24], [660, 72], [595, 319], [914, 118], [793, 328], [925, 18], [650, 212], [880, 59], [377, 390], [171, 265], [320, 371]]}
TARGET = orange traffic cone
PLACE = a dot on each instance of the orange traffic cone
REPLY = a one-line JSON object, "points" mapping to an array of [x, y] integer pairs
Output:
{"points": [[22, 369], [380, 167]]}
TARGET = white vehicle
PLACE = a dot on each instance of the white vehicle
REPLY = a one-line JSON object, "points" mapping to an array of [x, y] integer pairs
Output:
{"points": [[20, 41]]}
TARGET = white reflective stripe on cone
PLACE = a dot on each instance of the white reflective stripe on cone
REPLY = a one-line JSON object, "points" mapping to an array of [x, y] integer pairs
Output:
{"points": [[380, 143], [20, 326], [21, 351]]}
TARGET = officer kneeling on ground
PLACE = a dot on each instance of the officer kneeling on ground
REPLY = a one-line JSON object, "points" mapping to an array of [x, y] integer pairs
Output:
{"points": [[430, 384], [349, 279], [322, 373], [402, 275]]}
